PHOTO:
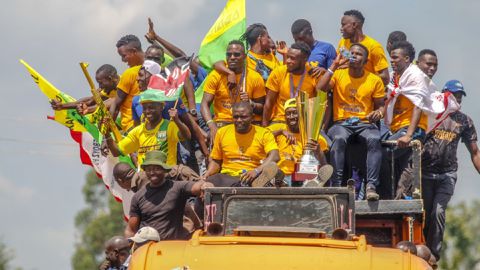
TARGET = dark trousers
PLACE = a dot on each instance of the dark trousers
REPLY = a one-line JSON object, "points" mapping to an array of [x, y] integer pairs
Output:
{"points": [[369, 134], [402, 157], [437, 190]]}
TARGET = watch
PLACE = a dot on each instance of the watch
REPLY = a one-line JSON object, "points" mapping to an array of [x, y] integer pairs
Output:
{"points": [[193, 112]]}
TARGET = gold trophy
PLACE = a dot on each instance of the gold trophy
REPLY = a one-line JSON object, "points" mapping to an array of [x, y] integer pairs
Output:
{"points": [[310, 119]]}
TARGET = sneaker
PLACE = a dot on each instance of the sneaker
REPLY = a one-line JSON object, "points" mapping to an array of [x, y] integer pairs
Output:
{"points": [[324, 174], [372, 195], [312, 183], [268, 173]]}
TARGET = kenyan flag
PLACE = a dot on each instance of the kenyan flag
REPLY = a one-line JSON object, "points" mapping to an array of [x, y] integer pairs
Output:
{"points": [[168, 85]]}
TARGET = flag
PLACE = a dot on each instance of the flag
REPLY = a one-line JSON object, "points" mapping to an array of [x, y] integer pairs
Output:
{"points": [[69, 118], [168, 86], [87, 136], [90, 154], [415, 85], [230, 25]]}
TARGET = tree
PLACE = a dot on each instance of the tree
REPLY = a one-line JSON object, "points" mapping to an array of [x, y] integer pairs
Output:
{"points": [[461, 248], [6, 256], [99, 221]]}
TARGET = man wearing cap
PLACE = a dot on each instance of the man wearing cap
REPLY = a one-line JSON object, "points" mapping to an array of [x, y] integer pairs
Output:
{"points": [[148, 69], [144, 235], [161, 203], [249, 86], [439, 166], [358, 103], [243, 152], [129, 179], [290, 146], [117, 250], [156, 133]]}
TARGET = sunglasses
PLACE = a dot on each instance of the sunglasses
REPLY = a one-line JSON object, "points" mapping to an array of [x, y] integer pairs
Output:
{"points": [[235, 54]]}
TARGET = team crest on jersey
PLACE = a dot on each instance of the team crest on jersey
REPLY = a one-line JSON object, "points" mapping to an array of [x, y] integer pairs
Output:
{"points": [[162, 136]]}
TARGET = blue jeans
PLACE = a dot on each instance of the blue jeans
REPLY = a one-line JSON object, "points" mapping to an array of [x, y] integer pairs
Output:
{"points": [[369, 134], [437, 190]]}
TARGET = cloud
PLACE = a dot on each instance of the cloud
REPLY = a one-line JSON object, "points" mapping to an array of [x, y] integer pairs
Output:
{"points": [[8, 189]]}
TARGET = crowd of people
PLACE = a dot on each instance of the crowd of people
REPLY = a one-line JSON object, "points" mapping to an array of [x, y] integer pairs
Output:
{"points": [[245, 131]]}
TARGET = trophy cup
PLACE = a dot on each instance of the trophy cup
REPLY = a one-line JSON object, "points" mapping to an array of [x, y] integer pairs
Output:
{"points": [[310, 119]]}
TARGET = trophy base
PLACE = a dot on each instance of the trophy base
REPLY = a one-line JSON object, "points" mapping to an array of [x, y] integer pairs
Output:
{"points": [[305, 172]]}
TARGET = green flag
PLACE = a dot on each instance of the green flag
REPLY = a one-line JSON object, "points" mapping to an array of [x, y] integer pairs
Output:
{"points": [[229, 25]]}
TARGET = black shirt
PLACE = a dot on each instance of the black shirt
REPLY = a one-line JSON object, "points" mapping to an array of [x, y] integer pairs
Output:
{"points": [[440, 149], [162, 208]]}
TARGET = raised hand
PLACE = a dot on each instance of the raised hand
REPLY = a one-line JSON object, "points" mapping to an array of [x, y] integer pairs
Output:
{"points": [[282, 47]]}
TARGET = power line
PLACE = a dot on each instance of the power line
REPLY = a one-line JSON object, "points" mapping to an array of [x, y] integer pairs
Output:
{"points": [[15, 140]]}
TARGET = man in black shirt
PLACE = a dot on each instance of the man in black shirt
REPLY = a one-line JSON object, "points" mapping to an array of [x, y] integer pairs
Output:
{"points": [[439, 166], [161, 203]]}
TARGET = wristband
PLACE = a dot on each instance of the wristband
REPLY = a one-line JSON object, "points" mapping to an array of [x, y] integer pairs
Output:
{"points": [[330, 71], [210, 121]]}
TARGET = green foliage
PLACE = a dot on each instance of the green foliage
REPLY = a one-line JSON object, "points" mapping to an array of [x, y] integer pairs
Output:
{"points": [[6, 256], [461, 248], [99, 221]]}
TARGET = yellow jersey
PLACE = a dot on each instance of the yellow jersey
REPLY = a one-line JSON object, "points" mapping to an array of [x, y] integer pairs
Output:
{"points": [[129, 85], [377, 60], [240, 152], [216, 84], [354, 97], [163, 137], [402, 115], [279, 81]]}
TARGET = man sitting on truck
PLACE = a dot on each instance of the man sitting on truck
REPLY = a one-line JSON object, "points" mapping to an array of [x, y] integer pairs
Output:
{"points": [[238, 152], [358, 103], [290, 146], [161, 203]]}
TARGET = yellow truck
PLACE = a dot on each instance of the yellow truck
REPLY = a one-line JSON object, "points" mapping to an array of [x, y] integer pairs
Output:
{"points": [[292, 228]]}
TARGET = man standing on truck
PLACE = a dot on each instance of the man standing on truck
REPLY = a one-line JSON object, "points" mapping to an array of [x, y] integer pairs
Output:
{"points": [[358, 103], [161, 203], [439, 166]]}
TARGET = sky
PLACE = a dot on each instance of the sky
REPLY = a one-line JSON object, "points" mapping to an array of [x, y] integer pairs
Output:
{"points": [[40, 172]]}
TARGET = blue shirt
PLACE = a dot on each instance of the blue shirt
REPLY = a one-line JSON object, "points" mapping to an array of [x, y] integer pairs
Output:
{"points": [[199, 78], [323, 54]]}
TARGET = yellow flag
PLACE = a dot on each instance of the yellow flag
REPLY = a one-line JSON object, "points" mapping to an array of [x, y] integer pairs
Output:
{"points": [[52, 92]]}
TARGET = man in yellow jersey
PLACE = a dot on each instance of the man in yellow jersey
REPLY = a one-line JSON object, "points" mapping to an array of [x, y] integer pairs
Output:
{"points": [[351, 29], [285, 82], [243, 153], [358, 103], [408, 122], [156, 133], [248, 87], [290, 147], [130, 50], [107, 79]]}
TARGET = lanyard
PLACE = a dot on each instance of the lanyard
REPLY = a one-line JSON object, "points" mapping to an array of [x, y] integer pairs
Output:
{"points": [[293, 91], [240, 85]]}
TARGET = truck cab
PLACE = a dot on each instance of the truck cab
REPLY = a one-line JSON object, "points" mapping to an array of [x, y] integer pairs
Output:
{"points": [[290, 228]]}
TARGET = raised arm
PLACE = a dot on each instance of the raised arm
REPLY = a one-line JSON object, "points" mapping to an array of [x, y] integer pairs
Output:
{"points": [[183, 129], [172, 49]]}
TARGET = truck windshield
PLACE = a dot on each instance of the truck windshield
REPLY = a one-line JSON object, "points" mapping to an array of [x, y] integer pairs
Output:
{"points": [[296, 212]]}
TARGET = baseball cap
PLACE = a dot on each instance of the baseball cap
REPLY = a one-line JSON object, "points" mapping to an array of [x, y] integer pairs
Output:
{"points": [[454, 86], [151, 67], [145, 234], [291, 103]]}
